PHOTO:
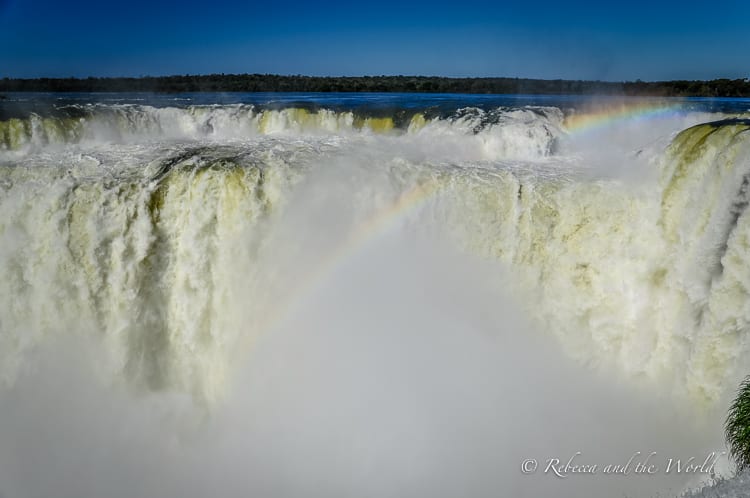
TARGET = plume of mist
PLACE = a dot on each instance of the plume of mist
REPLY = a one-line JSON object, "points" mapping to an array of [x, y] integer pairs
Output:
{"points": [[408, 371]]}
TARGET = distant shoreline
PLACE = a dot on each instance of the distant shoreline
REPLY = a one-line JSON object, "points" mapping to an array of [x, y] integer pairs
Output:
{"points": [[385, 84]]}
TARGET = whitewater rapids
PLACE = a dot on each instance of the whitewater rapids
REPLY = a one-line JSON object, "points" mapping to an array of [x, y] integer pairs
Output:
{"points": [[182, 263]]}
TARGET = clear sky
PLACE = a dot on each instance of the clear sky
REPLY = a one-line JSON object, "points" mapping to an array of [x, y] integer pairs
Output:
{"points": [[609, 40]]}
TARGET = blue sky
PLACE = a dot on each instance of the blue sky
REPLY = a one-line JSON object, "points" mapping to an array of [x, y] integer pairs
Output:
{"points": [[539, 39]]}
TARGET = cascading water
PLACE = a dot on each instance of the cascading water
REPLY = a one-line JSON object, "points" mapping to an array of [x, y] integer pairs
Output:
{"points": [[222, 266]]}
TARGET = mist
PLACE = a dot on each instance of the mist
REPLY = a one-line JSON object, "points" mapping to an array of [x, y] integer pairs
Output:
{"points": [[409, 369]]}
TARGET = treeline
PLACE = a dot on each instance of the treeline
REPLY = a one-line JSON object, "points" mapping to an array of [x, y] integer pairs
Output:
{"points": [[406, 84]]}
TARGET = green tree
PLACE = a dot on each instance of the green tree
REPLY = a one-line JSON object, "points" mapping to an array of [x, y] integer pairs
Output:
{"points": [[737, 427]]}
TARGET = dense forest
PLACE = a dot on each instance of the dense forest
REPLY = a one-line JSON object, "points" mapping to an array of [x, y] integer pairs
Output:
{"points": [[424, 84]]}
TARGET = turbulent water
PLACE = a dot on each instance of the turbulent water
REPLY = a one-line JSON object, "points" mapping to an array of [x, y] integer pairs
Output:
{"points": [[367, 296]]}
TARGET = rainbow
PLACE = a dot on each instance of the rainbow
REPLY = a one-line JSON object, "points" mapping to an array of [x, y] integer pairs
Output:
{"points": [[609, 114], [384, 220]]}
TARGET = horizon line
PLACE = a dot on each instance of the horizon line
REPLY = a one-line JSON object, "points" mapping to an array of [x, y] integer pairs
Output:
{"points": [[299, 75]]}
